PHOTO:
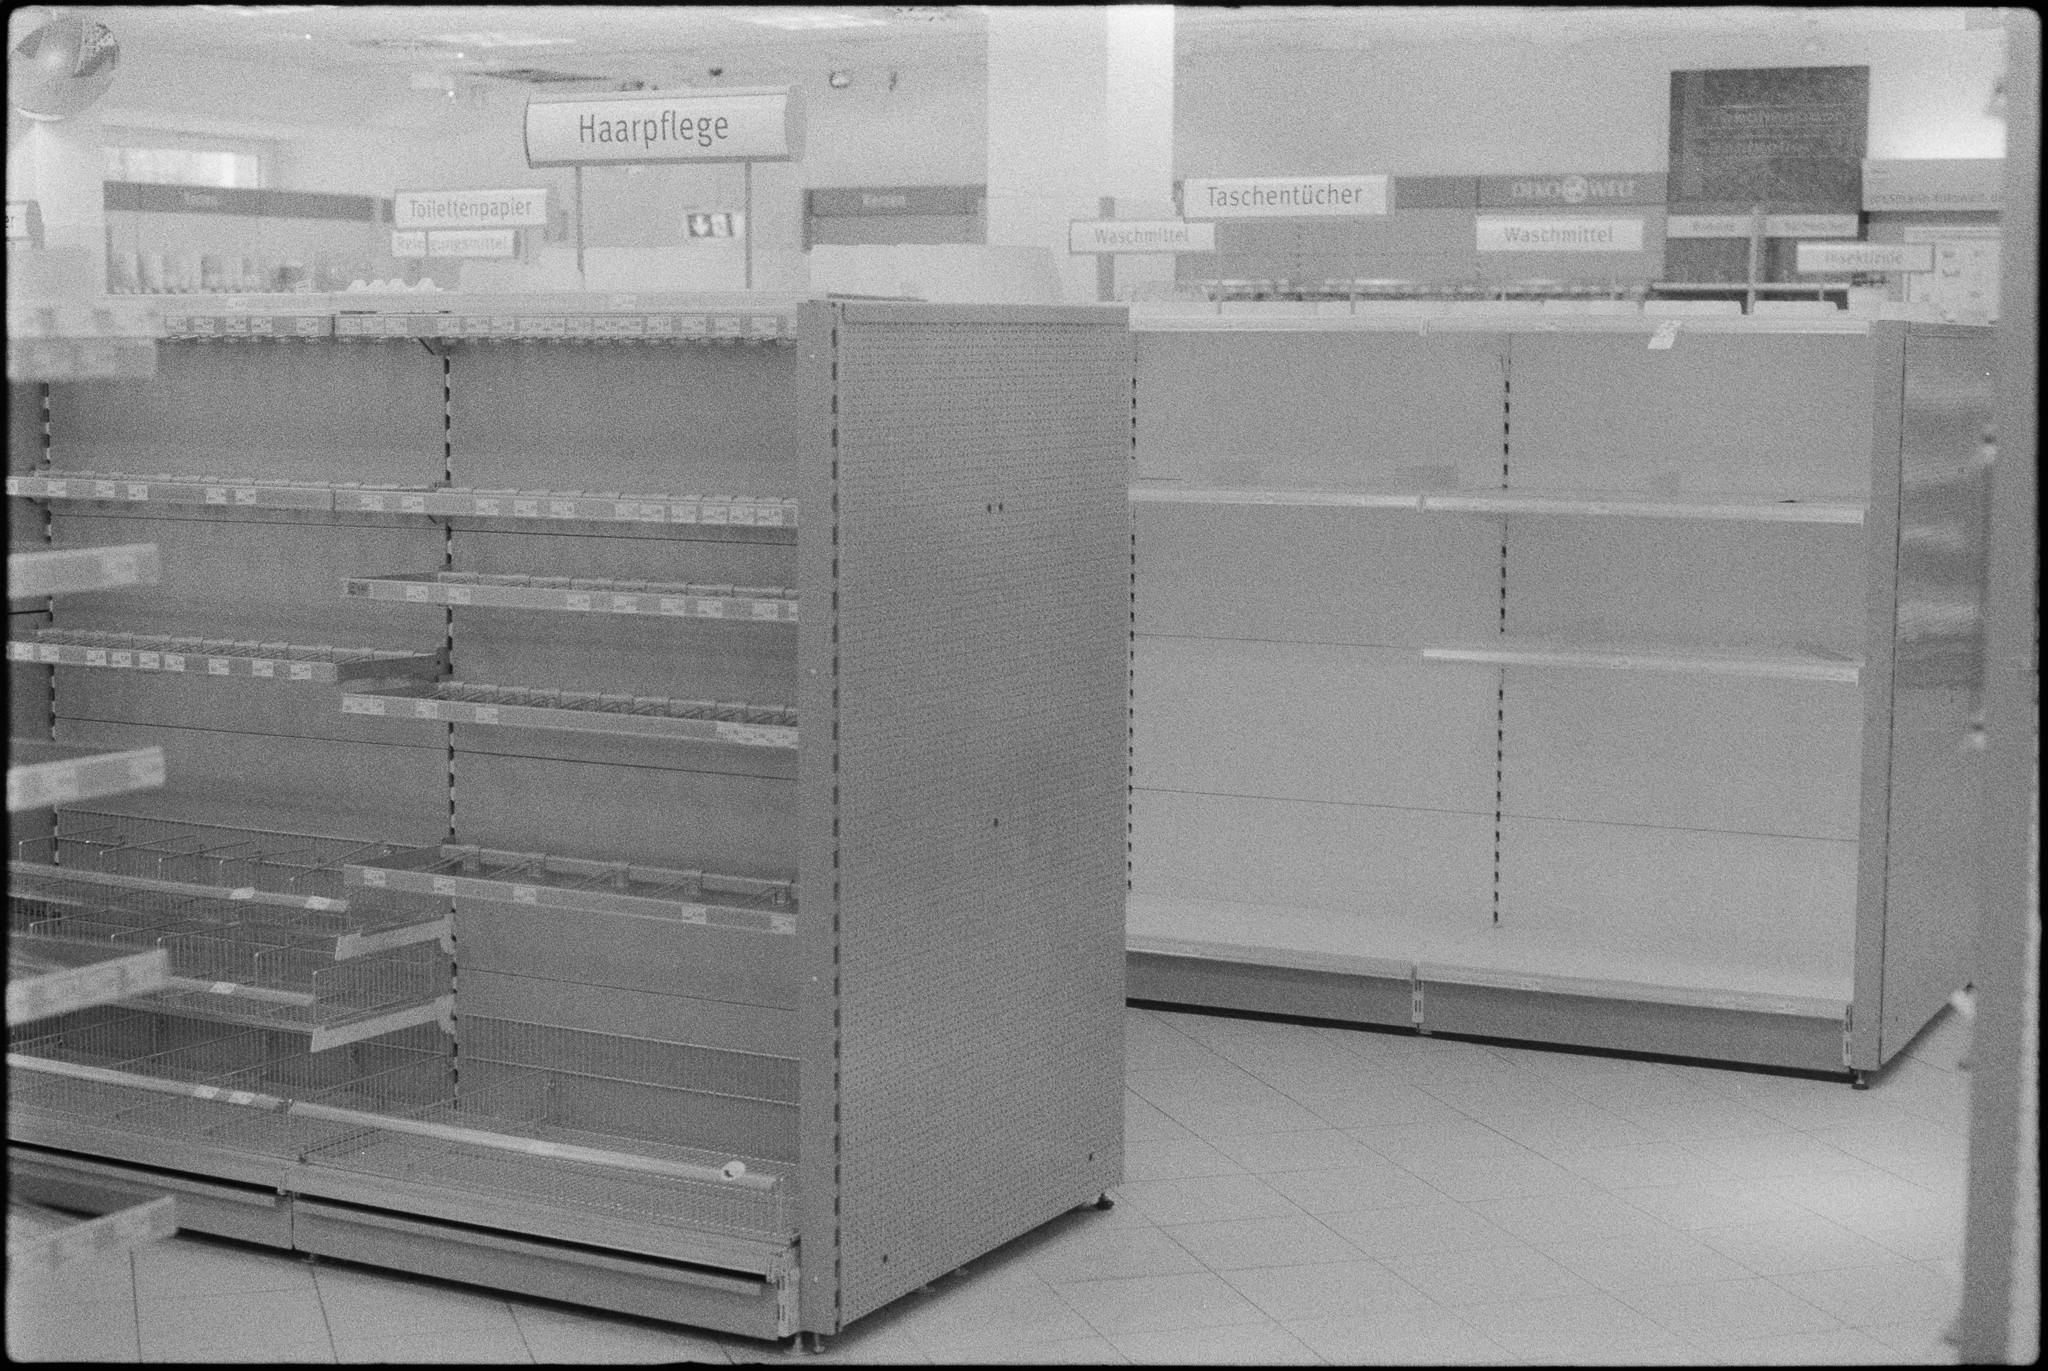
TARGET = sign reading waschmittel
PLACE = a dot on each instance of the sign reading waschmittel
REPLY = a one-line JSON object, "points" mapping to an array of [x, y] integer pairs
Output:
{"points": [[469, 209], [1284, 197], [1134, 235], [742, 124], [1560, 234]]}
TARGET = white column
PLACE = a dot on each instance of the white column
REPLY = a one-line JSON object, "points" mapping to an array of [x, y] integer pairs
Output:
{"points": [[58, 165], [1080, 106]]}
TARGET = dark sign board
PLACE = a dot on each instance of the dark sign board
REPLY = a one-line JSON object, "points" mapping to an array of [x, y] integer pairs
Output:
{"points": [[1576, 188], [839, 202], [1785, 138], [259, 204]]}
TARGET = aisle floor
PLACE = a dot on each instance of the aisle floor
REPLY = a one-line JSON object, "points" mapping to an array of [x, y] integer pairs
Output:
{"points": [[1295, 1195]]}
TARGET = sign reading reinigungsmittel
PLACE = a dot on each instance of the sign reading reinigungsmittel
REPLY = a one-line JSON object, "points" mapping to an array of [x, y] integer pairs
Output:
{"points": [[1283, 197], [1560, 234], [742, 124]]}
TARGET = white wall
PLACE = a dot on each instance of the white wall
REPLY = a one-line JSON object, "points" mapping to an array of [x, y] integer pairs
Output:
{"points": [[1501, 106]]}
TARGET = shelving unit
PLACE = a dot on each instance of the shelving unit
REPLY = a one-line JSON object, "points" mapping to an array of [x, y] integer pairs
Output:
{"points": [[665, 1083], [1547, 678]]}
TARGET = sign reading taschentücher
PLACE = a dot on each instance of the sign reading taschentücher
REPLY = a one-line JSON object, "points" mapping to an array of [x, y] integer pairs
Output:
{"points": [[752, 124], [1284, 197]]}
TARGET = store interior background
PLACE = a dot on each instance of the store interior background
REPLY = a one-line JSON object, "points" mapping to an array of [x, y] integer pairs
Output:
{"points": [[1043, 108]]}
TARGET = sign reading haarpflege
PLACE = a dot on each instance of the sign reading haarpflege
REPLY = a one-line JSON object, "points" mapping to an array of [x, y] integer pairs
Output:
{"points": [[1560, 234], [752, 124], [1133, 235], [1283, 197], [469, 209]]}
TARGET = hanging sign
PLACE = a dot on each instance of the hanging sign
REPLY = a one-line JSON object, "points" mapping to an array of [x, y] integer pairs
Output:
{"points": [[1559, 234], [1284, 197], [1976, 183], [25, 222], [468, 209], [1139, 235], [455, 243], [1812, 225], [1866, 257], [742, 124], [1707, 225], [1577, 188]]}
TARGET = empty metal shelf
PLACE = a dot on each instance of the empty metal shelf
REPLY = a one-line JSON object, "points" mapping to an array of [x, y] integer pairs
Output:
{"points": [[221, 656], [567, 883], [593, 595], [580, 711]]}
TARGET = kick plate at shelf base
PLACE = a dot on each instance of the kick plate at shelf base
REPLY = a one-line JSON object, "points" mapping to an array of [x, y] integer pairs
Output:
{"points": [[595, 597]]}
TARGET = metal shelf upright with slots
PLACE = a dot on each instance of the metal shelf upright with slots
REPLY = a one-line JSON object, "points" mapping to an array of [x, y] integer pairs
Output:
{"points": [[1604, 681], [789, 947]]}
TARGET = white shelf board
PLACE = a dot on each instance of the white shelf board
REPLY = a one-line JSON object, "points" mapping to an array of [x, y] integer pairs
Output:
{"points": [[1220, 495], [1640, 505], [43, 773], [1773, 665], [67, 571], [51, 976]]}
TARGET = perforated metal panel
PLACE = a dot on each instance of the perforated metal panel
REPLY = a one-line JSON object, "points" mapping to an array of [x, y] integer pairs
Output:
{"points": [[972, 693]]}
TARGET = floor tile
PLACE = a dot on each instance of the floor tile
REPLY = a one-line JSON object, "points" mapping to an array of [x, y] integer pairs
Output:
{"points": [[1709, 1204], [1417, 1229], [1918, 1341], [1150, 1304], [864, 1344], [1716, 1311], [1207, 1199], [1884, 1293], [1487, 1275], [1150, 1045], [1142, 1120], [1570, 1326], [1251, 1344], [1428, 1335], [182, 1266], [1656, 1163], [1090, 1254], [1868, 1189], [1836, 1347], [1339, 1190], [1930, 1232], [998, 1310], [421, 1345], [1792, 1244], [1773, 1155], [1465, 1140], [79, 1316], [1289, 1240], [563, 1337], [267, 1353], [1567, 1218], [203, 1326], [1335, 1290], [1498, 1178], [1232, 1117], [1264, 1154], [1166, 1159], [1640, 1261], [1094, 1350]]}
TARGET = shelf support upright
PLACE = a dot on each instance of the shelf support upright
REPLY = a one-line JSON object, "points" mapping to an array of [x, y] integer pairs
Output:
{"points": [[580, 285]]}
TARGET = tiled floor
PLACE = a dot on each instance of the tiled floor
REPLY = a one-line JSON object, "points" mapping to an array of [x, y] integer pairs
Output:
{"points": [[1295, 1195]]}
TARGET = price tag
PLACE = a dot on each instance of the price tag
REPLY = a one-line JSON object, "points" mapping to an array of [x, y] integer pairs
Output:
{"points": [[526, 509], [728, 325], [137, 491], [412, 504], [743, 514], [47, 653], [624, 509], [416, 592], [625, 604], [370, 502], [576, 601], [790, 612], [446, 885], [711, 609], [426, 709], [362, 704], [1665, 336], [459, 595], [673, 604], [148, 661], [103, 490], [263, 666], [765, 326], [245, 495], [218, 666], [683, 514], [768, 514], [216, 495], [370, 874], [691, 325], [526, 894], [124, 659], [299, 671], [767, 609], [486, 714], [261, 326], [716, 514], [95, 656], [174, 661], [486, 506]]}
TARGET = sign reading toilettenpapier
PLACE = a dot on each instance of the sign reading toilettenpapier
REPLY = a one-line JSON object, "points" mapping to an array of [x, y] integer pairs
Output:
{"points": [[469, 209], [1284, 197], [751, 124], [1133, 235], [1574, 234]]}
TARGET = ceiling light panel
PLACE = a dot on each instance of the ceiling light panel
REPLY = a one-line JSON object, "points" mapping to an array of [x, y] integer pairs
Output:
{"points": [[795, 20]]}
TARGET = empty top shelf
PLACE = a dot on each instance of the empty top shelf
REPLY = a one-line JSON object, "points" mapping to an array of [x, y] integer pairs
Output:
{"points": [[580, 711], [1598, 504], [587, 594]]}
